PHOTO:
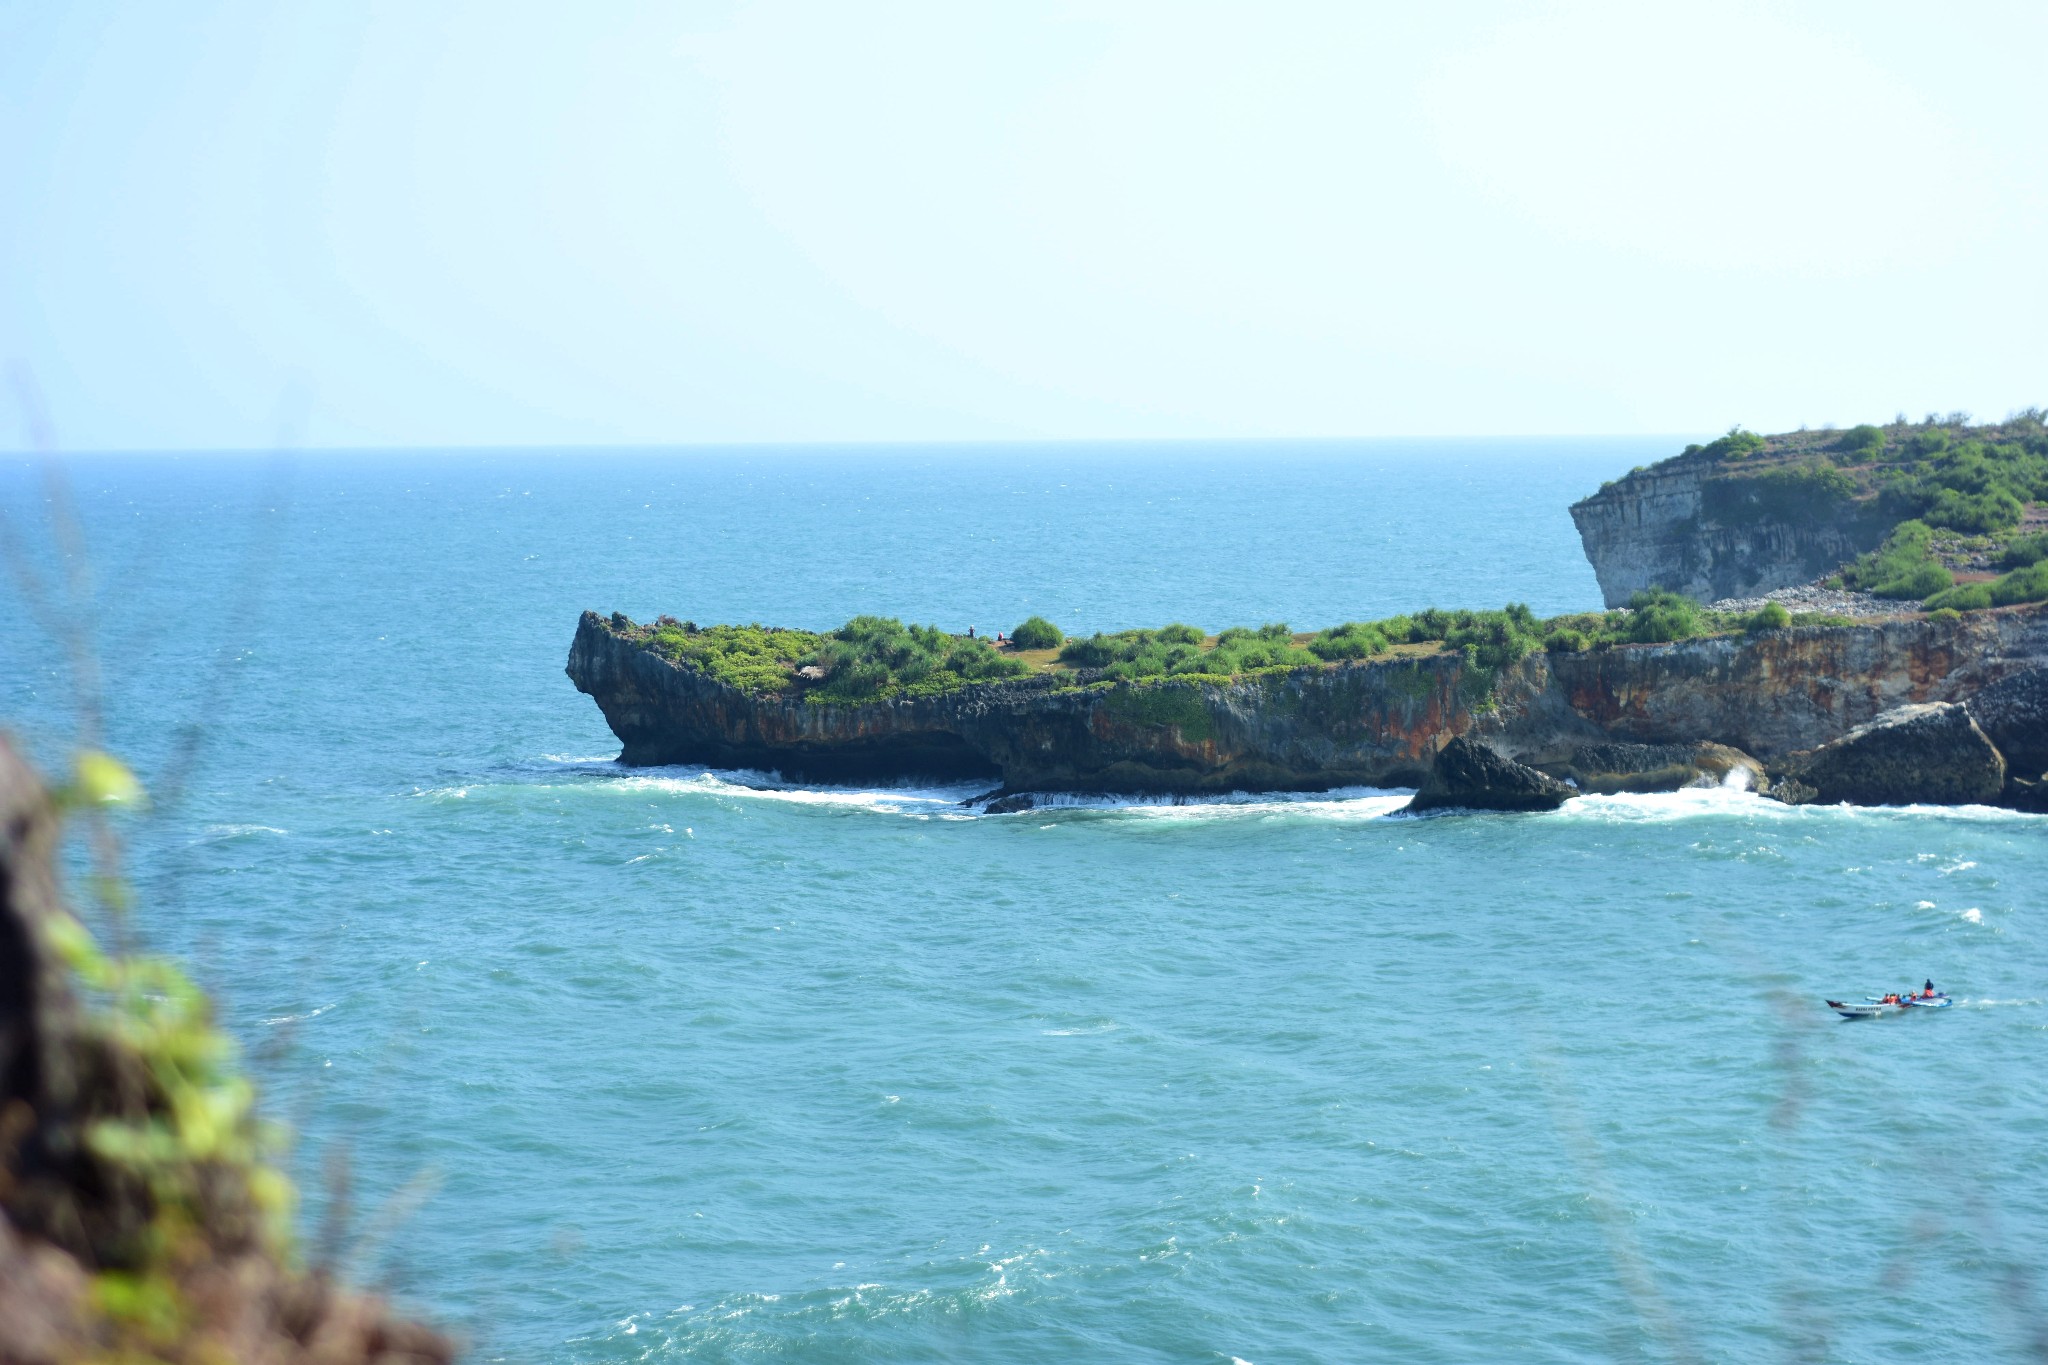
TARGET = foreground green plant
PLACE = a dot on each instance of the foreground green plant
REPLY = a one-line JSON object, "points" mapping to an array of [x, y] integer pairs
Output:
{"points": [[196, 1122], [136, 1177]]}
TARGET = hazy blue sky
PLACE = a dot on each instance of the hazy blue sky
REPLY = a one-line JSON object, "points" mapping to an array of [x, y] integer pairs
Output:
{"points": [[442, 222]]}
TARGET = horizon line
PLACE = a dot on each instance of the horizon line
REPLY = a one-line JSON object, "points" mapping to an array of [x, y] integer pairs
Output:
{"points": [[916, 444]]}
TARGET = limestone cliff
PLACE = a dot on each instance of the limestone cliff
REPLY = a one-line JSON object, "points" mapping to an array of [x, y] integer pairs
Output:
{"points": [[1374, 723], [1698, 527]]}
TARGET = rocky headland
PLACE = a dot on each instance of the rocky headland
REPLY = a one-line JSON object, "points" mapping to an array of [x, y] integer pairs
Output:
{"points": [[1857, 648], [1749, 516], [1625, 717]]}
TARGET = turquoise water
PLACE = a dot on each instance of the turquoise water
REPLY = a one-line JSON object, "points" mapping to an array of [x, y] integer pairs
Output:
{"points": [[657, 1065]]}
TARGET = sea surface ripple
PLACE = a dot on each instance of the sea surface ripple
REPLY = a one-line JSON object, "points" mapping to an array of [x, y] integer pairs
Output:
{"points": [[680, 1064]]}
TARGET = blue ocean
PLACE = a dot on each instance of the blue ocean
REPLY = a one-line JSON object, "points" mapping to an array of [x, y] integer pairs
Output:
{"points": [[603, 1065]]}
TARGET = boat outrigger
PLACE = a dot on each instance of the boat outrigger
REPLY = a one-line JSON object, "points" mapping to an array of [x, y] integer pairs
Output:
{"points": [[1877, 1006]]}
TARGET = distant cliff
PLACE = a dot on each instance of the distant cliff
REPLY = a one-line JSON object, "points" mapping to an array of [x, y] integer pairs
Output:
{"points": [[1746, 514], [1375, 722], [1698, 526]]}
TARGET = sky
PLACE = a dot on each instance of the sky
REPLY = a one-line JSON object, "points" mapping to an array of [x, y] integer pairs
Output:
{"points": [[226, 224]]}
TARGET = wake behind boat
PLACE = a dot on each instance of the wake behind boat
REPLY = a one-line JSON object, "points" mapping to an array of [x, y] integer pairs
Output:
{"points": [[1878, 1006]]}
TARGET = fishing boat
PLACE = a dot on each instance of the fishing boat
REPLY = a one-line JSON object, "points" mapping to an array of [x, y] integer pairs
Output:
{"points": [[1877, 1006]]}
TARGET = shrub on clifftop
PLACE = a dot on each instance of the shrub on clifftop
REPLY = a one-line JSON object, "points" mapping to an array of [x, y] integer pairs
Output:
{"points": [[1658, 617], [2022, 585], [753, 658], [1902, 567], [1177, 651], [871, 657], [1970, 486], [1736, 445], [1962, 597], [1037, 633], [1352, 640], [2025, 552], [1770, 616]]}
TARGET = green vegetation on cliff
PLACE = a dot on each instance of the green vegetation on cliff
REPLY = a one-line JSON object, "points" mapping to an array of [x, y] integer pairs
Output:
{"points": [[875, 658], [870, 658], [1906, 566], [2021, 585], [1184, 651], [2025, 552], [1736, 445], [1975, 483], [1940, 498], [753, 658], [1942, 472], [1784, 493], [878, 656], [1903, 567]]}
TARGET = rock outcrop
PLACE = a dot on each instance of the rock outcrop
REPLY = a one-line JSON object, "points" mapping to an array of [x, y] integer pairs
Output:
{"points": [[2014, 712], [2024, 794], [1932, 754], [1698, 527], [1469, 775], [1370, 723]]}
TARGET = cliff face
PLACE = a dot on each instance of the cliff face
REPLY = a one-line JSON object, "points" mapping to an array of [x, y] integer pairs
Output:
{"points": [[1311, 729], [1375, 723], [1665, 527]]}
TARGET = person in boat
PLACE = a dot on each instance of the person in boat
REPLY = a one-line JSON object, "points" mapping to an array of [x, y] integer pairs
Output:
{"points": [[1927, 991]]}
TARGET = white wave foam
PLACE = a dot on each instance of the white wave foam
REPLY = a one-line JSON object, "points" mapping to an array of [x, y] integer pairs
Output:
{"points": [[1726, 799], [1343, 803], [1685, 803], [946, 801], [217, 833], [928, 802], [298, 1018]]}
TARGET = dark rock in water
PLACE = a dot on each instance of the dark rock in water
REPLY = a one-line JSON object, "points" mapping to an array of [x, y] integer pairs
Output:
{"points": [[1930, 754], [1471, 776], [1010, 805], [1789, 789], [2026, 794], [1655, 767], [2014, 713]]}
